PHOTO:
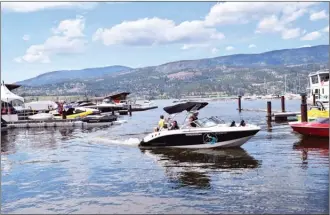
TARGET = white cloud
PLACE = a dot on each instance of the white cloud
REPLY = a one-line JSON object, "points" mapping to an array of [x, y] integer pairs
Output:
{"points": [[312, 36], [244, 12], [229, 48], [282, 18], [270, 24], [191, 46], [326, 29], [214, 51], [26, 37], [151, 31], [71, 27], [318, 15], [24, 7], [67, 39], [252, 46], [290, 33]]}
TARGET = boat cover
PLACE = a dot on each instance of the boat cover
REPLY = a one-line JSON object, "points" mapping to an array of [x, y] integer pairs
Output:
{"points": [[187, 106]]}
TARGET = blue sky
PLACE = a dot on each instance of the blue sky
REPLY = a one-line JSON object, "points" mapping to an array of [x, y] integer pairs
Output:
{"points": [[39, 37]]}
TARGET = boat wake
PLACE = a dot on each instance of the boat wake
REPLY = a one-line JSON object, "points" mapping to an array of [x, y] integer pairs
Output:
{"points": [[126, 142]]}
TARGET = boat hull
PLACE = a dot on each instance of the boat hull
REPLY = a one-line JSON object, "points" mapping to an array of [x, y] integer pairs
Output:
{"points": [[200, 139], [311, 128], [309, 131]]}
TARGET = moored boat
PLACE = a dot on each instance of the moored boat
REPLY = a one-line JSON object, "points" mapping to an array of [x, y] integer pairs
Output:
{"points": [[41, 116], [319, 127]]}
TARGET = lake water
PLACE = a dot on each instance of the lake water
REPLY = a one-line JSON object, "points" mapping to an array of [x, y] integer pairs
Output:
{"points": [[101, 170]]}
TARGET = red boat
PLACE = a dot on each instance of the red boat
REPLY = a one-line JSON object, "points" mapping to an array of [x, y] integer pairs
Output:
{"points": [[319, 127]]}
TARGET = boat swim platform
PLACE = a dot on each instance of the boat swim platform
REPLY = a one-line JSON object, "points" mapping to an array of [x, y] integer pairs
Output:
{"points": [[59, 123]]}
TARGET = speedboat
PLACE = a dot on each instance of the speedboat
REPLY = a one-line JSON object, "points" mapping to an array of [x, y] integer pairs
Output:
{"points": [[209, 132], [318, 128]]}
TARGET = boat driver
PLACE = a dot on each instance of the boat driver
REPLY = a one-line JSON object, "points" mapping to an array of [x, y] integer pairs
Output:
{"points": [[192, 119]]}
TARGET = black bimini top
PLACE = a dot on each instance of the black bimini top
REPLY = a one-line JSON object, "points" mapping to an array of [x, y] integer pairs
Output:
{"points": [[187, 106]]}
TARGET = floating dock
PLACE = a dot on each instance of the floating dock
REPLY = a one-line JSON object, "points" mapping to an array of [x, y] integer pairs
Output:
{"points": [[58, 123], [280, 117]]}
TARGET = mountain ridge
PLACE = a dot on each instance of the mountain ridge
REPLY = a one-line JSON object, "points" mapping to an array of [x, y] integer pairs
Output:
{"points": [[283, 57], [65, 75]]}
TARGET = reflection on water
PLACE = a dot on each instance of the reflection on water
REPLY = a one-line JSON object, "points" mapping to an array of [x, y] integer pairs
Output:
{"points": [[66, 170], [191, 167], [311, 144]]}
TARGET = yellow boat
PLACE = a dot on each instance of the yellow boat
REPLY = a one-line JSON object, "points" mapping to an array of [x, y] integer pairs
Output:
{"points": [[77, 115], [313, 114]]}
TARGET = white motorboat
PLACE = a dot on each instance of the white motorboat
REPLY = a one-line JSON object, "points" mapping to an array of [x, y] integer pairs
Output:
{"points": [[319, 85], [108, 105], [41, 116], [208, 133]]}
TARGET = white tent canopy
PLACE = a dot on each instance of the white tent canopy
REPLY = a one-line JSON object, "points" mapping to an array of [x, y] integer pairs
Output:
{"points": [[8, 96]]}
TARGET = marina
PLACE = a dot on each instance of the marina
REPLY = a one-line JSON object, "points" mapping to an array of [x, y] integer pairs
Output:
{"points": [[142, 108], [102, 169]]}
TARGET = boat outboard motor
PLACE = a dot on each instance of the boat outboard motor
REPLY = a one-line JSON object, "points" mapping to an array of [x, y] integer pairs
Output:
{"points": [[242, 123], [233, 124]]}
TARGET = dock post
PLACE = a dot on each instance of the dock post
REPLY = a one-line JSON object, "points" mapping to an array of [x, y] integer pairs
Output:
{"points": [[239, 103], [283, 103], [314, 100], [303, 108], [130, 110], [269, 113]]}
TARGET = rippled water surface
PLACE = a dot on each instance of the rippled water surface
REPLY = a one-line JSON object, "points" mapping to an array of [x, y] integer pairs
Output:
{"points": [[101, 170]]}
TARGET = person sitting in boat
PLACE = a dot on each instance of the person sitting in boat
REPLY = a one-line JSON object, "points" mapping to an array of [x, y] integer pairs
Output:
{"points": [[161, 123], [195, 116], [192, 119], [242, 124], [174, 125], [191, 122]]}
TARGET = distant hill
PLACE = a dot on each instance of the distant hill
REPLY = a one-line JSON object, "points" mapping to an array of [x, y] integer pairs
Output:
{"points": [[66, 75], [284, 57], [234, 74]]}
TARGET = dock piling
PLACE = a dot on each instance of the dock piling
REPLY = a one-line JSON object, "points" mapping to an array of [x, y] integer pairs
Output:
{"points": [[130, 110], [303, 108], [239, 103], [269, 113], [283, 103]]}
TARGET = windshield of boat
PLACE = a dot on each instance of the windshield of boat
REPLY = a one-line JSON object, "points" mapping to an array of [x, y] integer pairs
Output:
{"points": [[107, 101], [206, 122], [322, 120]]}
